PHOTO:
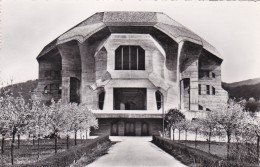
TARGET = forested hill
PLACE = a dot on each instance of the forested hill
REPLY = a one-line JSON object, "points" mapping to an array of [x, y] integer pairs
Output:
{"points": [[23, 88], [243, 89]]}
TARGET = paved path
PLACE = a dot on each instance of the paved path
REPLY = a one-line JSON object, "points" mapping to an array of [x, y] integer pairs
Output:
{"points": [[135, 152]]}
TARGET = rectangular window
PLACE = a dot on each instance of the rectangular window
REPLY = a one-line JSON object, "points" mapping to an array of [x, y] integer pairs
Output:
{"points": [[208, 90], [213, 75], [213, 90], [129, 58], [199, 89]]}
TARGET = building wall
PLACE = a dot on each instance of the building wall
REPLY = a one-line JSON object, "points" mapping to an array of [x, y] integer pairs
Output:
{"points": [[154, 126]]}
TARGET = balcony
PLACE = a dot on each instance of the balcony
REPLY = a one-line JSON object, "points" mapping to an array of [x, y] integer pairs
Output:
{"points": [[127, 113]]}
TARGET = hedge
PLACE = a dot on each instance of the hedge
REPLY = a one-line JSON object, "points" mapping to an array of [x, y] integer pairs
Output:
{"points": [[190, 155], [66, 158]]}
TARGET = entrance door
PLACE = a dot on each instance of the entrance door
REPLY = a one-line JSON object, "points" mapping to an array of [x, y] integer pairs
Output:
{"points": [[129, 129], [114, 129], [145, 131]]}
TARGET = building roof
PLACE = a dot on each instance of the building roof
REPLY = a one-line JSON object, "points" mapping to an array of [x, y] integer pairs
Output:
{"points": [[101, 20]]}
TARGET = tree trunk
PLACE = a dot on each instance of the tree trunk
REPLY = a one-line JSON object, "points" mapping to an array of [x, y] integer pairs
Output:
{"points": [[185, 137], [12, 146], [209, 140], [33, 139], [257, 147], [56, 138], [173, 130], [38, 147], [179, 135], [228, 144], [86, 134], [3, 143], [18, 137], [75, 138], [67, 141], [196, 133]]}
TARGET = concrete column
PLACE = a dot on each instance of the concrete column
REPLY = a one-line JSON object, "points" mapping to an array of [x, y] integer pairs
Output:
{"points": [[65, 94], [151, 100], [182, 94], [109, 99], [194, 87]]}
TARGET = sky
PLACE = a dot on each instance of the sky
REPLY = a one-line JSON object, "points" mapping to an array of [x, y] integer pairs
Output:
{"points": [[26, 26]]}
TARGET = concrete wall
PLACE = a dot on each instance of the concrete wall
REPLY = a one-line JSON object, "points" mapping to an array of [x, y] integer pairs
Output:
{"points": [[154, 126]]}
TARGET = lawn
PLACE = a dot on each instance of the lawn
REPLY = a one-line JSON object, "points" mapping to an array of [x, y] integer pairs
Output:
{"points": [[241, 152], [28, 153]]}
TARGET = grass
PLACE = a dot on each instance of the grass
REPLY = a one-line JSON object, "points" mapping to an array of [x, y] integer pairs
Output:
{"points": [[95, 154], [238, 152], [28, 153]]}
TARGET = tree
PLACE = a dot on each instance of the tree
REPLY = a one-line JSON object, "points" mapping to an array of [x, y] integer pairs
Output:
{"points": [[37, 122], [184, 125], [195, 126], [18, 115], [4, 121], [55, 119], [230, 118], [208, 125], [173, 117], [74, 119]]}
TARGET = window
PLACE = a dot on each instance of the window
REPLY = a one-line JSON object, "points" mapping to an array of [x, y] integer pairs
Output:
{"points": [[208, 109], [200, 107], [203, 73], [129, 58], [101, 99], [199, 89], [158, 97], [213, 75], [208, 90], [213, 90]]}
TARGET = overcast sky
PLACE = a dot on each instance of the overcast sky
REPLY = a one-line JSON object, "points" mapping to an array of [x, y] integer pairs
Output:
{"points": [[28, 25]]}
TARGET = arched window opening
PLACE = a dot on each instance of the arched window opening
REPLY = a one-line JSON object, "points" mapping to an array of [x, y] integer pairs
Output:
{"points": [[158, 96], [101, 99], [129, 58]]}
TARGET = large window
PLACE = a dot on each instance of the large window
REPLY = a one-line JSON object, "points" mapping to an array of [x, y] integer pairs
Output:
{"points": [[129, 58], [101, 99], [158, 96]]}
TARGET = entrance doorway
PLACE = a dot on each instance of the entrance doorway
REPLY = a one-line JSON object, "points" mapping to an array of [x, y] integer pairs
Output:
{"points": [[145, 129], [129, 98], [114, 129], [129, 129]]}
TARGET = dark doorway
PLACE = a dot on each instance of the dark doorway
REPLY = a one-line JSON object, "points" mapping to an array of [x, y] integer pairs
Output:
{"points": [[129, 129], [114, 129], [145, 129], [129, 98], [74, 90]]}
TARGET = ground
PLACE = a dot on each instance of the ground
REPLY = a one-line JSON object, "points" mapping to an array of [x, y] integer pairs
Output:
{"points": [[135, 151]]}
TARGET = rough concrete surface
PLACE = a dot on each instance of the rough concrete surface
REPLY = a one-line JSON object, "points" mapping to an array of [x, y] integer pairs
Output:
{"points": [[135, 151]]}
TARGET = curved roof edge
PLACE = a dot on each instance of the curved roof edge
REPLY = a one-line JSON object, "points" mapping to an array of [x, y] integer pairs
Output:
{"points": [[98, 21]]}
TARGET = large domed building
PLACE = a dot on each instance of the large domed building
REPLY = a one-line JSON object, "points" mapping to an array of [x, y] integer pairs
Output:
{"points": [[128, 67]]}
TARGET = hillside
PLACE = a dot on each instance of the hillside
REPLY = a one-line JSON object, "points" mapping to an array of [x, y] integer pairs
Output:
{"points": [[243, 89], [23, 88]]}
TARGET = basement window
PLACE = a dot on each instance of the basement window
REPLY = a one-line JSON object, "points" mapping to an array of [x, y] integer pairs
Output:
{"points": [[129, 58], [207, 89]]}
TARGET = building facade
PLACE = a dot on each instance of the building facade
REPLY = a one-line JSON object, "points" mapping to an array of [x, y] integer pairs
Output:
{"points": [[129, 67]]}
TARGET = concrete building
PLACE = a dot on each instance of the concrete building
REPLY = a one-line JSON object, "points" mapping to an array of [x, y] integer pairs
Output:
{"points": [[130, 66]]}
